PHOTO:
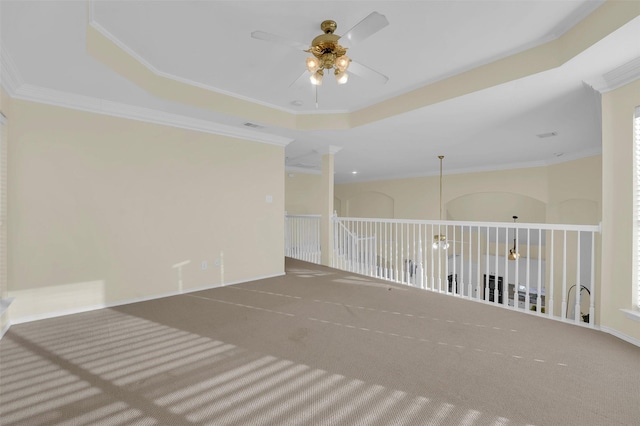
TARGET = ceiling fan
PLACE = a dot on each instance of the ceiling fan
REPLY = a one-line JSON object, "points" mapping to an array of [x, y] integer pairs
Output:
{"points": [[329, 50]]}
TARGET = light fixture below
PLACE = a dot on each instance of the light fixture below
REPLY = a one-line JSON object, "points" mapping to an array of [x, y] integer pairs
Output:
{"points": [[440, 241], [327, 54], [513, 253]]}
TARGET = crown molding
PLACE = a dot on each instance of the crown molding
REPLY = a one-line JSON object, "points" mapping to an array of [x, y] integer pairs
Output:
{"points": [[10, 78], [183, 80], [197, 84], [303, 170], [617, 77], [28, 92], [592, 152], [578, 15]]}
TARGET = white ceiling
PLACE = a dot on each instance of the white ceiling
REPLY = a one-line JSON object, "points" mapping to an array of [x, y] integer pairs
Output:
{"points": [[208, 43]]}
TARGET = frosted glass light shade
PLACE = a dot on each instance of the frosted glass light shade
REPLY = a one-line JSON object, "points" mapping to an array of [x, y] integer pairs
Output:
{"points": [[316, 78], [313, 64], [342, 77], [342, 62]]}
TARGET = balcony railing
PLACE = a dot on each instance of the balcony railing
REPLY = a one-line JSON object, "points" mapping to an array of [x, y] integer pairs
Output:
{"points": [[551, 270], [302, 237], [552, 275]]}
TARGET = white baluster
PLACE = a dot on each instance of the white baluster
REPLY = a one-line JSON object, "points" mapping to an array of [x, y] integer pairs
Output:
{"points": [[592, 309], [527, 293], [505, 281], [551, 277], [564, 275], [478, 293], [540, 292], [496, 280], [485, 289], [576, 311]]}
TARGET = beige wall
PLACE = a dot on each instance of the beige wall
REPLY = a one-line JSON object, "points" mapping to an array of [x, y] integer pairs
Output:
{"points": [[418, 198], [100, 208], [575, 191], [617, 212], [303, 193], [554, 194]]}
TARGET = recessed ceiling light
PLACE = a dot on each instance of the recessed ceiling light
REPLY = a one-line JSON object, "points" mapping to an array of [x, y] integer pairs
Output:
{"points": [[297, 102], [354, 172]]}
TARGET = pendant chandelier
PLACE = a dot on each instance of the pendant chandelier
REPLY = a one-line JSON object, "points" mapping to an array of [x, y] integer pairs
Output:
{"points": [[513, 253], [440, 240]]}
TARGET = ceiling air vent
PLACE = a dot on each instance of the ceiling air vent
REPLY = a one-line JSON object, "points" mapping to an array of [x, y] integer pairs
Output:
{"points": [[253, 125], [547, 135]]}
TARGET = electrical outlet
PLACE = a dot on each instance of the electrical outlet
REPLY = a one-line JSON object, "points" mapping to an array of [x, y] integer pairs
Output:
{"points": [[204, 265]]}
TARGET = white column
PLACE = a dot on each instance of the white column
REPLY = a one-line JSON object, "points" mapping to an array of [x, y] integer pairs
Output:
{"points": [[326, 230]]}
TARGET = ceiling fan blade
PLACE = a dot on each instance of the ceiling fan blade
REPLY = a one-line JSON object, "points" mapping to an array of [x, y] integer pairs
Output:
{"points": [[261, 35], [370, 25], [298, 82], [365, 72]]}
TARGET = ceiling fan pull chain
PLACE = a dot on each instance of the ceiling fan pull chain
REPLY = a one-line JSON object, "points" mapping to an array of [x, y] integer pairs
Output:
{"points": [[316, 97]]}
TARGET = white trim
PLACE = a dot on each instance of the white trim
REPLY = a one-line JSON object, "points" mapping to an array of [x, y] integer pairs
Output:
{"points": [[129, 51], [622, 336], [48, 315], [10, 78], [632, 315], [28, 92], [617, 77], [342, 178], [584, 10], [4, 304], [293, 169], [5, 329], [635, 301]]}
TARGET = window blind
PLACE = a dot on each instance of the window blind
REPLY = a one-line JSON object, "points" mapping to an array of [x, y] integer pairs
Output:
{"points": [[636, 146]]}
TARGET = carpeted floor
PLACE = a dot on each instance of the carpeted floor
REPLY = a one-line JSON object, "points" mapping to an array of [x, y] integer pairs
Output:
{"points": [[315, 347]]}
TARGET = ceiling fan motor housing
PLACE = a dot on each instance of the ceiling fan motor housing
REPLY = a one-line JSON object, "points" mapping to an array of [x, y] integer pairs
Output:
{"points": [[325, 47]]}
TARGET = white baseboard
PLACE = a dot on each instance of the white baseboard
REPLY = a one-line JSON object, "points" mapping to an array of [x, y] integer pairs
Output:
{"points": [[622, 336], [5, 329], [30, 318]]}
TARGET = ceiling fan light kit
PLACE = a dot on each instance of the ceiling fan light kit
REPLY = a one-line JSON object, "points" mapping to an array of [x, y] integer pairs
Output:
{"points": [[327, 54]]}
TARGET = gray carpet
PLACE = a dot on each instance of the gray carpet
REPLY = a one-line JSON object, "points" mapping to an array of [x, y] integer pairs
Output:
{"points": [[315, 347]]}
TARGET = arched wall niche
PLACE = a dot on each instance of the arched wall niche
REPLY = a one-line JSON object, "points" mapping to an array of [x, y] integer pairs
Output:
{"points": [[496, 207], [370, 204]]}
